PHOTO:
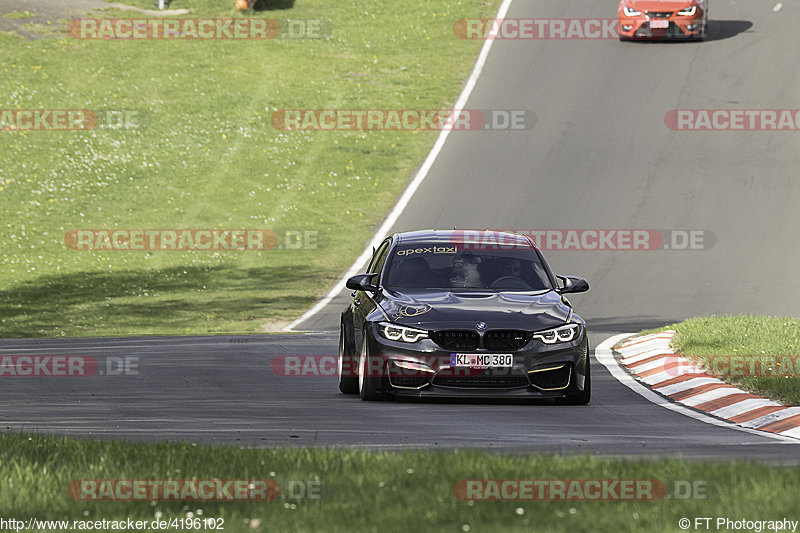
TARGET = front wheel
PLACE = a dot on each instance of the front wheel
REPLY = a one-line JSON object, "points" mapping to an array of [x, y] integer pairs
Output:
{"points": [[348, 382], [581, 397], [703, 34], [367, 383]]}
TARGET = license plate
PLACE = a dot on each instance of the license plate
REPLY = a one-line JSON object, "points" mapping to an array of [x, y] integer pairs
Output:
{"points": [[493, 360], [659, 24]]}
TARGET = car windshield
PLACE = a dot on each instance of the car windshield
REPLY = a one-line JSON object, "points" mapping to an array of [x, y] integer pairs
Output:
{"points": [[452, 267]]}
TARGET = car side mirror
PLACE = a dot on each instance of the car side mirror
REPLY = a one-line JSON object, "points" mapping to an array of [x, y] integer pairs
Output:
{"points": [[572, 284], [361, 282]]}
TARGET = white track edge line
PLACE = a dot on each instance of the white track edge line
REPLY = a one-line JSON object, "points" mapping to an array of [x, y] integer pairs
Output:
{"points": [[603, 355], [401, 204]]}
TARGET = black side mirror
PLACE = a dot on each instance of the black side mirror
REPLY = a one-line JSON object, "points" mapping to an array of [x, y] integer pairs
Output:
{"points": [[361, 282], [572, 284]]}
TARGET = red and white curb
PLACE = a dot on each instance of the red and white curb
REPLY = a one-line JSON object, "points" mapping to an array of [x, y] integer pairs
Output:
{"points": [[653, 362]]}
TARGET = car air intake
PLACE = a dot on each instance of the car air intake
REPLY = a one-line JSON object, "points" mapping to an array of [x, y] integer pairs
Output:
{"points": [[482, 381], [502, 340], [555, 378], [456, 339], [409, 382]]}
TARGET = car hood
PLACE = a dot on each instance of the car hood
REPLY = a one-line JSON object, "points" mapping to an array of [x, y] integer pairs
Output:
{"points": [[659, 5], [463, 310]]}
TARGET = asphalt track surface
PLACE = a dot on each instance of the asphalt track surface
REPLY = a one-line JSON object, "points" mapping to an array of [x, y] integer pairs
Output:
{"points": [[599, 157]]}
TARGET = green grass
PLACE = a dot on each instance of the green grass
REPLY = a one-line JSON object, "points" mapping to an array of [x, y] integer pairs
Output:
{"points": [[17, 15], [368, 491], [764, 339], [206, 155]]}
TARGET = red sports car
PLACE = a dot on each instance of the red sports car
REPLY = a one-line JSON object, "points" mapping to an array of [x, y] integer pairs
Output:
{"points": [[661, 19]]}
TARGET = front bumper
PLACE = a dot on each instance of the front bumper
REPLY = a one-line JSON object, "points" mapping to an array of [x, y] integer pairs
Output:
{"points": [[680, 27], [537, 370]]}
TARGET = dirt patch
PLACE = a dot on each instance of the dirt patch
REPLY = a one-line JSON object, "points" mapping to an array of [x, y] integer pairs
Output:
{"points": [[52, 14], [275, 326]]}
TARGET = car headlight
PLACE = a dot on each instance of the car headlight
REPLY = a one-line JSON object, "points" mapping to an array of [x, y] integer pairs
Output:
{"points": [[395, 332], [630, 12], [688, 12], [556, 335]]}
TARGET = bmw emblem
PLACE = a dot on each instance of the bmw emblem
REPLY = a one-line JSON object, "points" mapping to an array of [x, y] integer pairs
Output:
{"points": [[481, 325]]}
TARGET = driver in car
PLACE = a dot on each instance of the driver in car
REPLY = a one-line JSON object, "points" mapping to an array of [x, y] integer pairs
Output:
{"points": [[512, 269], [511, 276]]}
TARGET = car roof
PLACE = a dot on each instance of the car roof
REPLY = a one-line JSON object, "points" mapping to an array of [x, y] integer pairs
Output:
{"points": [[462, 236]]}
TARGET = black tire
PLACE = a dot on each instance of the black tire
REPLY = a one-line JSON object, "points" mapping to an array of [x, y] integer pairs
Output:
{"points": [[348, 381], [703, 33], [367, 384], [700, 36], [581, 397]]}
